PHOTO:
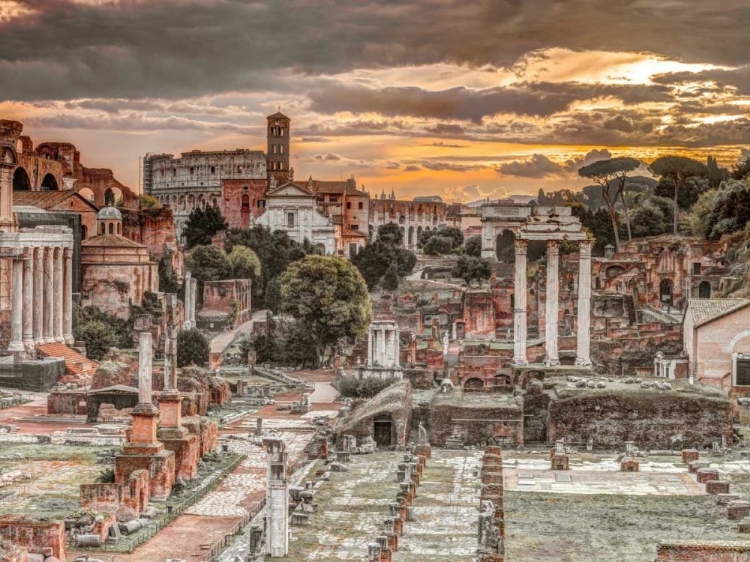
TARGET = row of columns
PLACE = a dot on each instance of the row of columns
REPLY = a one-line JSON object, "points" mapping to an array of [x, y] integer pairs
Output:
{"points": [[552, 305], [383, 346], [42, 308]]}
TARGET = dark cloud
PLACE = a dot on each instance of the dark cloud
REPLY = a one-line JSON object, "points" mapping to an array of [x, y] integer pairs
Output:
{"points": [[442, 144], [330, 157], [446, 129], [451, 167], [539, 166], [738, 78], [412, 168], [393, 166], [176, 49]]}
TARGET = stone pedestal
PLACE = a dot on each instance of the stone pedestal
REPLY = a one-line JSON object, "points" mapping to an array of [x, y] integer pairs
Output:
{"points": [[177, 439], [690, 455]]}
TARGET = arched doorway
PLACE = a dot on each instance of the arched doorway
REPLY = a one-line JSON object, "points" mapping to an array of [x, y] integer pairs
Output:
{"points": [[49, 183], [665, 292], [21, 180], [474, 385], [383, 430], [704, 290], [505, 247]]}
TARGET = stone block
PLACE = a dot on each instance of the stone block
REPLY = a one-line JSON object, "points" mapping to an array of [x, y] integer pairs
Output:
{"points": [[690, 455], [715, 487], [724, 499], [707, 475], [737, 510], [694, 466], [744, 526]]}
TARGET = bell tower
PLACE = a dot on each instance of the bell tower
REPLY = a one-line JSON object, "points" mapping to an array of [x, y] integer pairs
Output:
{"points": [[277, 155]]}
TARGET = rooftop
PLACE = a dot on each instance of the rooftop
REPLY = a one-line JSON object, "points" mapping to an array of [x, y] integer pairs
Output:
{"points": [[703, 311]]}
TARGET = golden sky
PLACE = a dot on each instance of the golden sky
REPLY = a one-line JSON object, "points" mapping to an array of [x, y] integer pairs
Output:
{"points": [[463, 100]]}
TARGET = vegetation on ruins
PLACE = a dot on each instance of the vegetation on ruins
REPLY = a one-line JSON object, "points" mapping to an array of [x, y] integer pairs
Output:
{"points": [[471, 268], [441, 241], [352, 387], [374, 260], [275, 250], [390, 279], [473, 246], [192, 348], [605, 173], [283, 342], [202, 225], [678, 170], [729, 210], [208, 263], [329, 297], [100, 331], [168, 282]]}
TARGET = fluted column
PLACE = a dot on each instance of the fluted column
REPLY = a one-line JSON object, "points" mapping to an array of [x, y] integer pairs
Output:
{"points": [[49, 289], [553, 265], [16, 343], [57, 323], [583, 353], [38, 327], [68, 297], [28, 300], [519, 308]]}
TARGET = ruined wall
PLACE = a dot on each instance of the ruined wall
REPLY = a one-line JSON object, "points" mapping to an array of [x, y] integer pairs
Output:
{"points": [[645, 416], [116, 497], [35, 536], [206, 431], [709, 551], [154, 228], [475, 418]]}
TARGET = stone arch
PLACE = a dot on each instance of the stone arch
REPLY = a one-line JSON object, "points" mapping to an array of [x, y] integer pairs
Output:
{"points": [[474, 384], [410, 241], [191, 202], [614, 271], [87, 193], [112, 196], [245, 208], [21, 180], [704, 290], [182, 202], [49, 183]]}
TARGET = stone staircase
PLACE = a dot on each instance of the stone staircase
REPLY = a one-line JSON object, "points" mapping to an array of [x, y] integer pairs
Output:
{"points": [[78, 369]]}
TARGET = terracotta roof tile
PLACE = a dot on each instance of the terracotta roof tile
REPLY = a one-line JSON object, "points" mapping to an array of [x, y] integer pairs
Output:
{"points": [[44, 199], [110, 241], [704, 311]]}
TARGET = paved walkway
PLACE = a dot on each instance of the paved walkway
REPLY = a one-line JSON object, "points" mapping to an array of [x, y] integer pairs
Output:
{"points": [[324, 393], [222, 341]]}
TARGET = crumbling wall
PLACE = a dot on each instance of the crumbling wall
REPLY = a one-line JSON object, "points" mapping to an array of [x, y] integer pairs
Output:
{"points": [[36, 536], [117, 497], [206, 431], [647, 417], [710, 551], [475, 418]]}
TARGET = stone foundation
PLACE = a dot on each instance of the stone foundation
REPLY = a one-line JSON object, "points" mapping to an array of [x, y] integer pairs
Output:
{"points": [[37, 537], [132, 494]]}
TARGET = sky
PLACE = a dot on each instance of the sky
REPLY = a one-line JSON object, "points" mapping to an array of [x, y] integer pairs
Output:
{"points": [[463, 99]]}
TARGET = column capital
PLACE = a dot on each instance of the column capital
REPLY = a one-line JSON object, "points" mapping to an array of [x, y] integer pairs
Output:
{"points": [[584, 248], [68, 253], [27, 254], [522, 246], [553, 246]]}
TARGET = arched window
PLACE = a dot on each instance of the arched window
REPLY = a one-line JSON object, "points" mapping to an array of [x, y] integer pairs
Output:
{"points": [[119, 228], [103, 228], [21, 180], [704, 290], [111, 228], [49, 183], [245, 204]]}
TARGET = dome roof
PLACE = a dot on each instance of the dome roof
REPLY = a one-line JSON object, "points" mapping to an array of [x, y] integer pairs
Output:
{"points": [[109, 213]]}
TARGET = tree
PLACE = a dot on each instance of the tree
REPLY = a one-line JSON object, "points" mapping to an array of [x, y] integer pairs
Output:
{"points": [[742, 170], [698, 217], [438, 245], [391, 233], [716, 174], [168, 282], [192, 348], [245, 263], [208, 263], [649, 218], [376, 257], [329, 296], [389, 282], [453, 235], [688, 195], [98, 337], [731, 209], [470, 267], [602, 173], [473, 246], [202, 225], [677, 169]]}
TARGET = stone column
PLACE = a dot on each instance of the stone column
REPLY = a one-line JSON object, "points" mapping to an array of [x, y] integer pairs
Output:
{"points": [[397, 348], [49, 293], [193, 295], [277, 499], [519, 307], [381, 347], [16, 326], [552, 305], [187, 290], [57, 326], [145, 357], [68, 297], [28, 300], [583, 353], [170, 343], [369, 347], [38, 296]]}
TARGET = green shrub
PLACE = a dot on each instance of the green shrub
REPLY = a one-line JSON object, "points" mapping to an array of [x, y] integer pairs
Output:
{"points": [[192, 348]]}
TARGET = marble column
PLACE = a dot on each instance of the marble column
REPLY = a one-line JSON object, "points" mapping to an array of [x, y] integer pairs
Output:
{"points": [[16, 326], [381, 347], [49, 295], [68, 297], [519, 307], [145, 357], [170, 344], [193, 298], [28, 300], [369, 347], [38, 296], [583, 353], [187, 293], [552, 304], [57, 324]]}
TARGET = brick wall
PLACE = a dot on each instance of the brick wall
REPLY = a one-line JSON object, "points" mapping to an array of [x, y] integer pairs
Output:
{"points": [[35, 536]]}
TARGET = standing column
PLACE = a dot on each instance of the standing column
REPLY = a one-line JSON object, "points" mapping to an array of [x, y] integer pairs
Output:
{"points": [[28, 300], [369, 347], [49, 290], [57, 324], [16, 343], [68, 297], [553, 264], [193, 298], [38, 296], [170, 342], [381, 347], [583, 353], [519, 308], [145, 357], [187, 293]]}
